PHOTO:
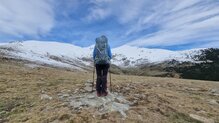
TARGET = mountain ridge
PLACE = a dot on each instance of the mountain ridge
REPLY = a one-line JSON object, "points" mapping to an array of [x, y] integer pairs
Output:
{"points": [[123, 56]]}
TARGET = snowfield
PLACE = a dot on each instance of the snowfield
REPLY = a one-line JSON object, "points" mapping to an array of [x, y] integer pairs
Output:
{"points": [[135, 55], [71, 56]]}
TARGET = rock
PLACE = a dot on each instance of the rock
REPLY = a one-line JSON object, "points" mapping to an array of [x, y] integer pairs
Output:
{"points": [[213, 102], [127, 88], [3, 112], [76, 91], [45, 97], [65, 95], [201, 119], [134, 103], [201, 112], [214, 92], [100, 105], [60, 94], [42, 91], [88, 88], [191, 89], [64, 104], [76, 104], [89, 81], [83, 91], [158, 85], [90, 96]]}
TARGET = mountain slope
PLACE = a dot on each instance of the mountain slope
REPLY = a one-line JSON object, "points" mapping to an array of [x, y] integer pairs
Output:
{"points": [[132, 56], [50, 95], [51, 53], [70, 56]]}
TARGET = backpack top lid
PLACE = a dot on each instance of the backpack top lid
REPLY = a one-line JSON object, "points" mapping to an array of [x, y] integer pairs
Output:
{"points": [[101, 43]]}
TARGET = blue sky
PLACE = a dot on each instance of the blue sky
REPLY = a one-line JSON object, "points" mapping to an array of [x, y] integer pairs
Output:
{"points": [[167, 24]]}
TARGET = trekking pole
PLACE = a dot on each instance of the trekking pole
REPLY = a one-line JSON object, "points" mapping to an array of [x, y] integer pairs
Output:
{"points": [[110, 80], [93, 79]]}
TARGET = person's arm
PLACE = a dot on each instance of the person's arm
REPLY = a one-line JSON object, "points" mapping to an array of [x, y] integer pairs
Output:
{"points": [[109, 52]]}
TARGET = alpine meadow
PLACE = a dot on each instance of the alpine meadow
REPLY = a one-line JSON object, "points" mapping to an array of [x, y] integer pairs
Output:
{"points": [[109, 61]]}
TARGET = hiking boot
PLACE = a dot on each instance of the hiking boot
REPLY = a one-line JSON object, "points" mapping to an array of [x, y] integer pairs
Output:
{"points": [[98, 94], [105, 93]]}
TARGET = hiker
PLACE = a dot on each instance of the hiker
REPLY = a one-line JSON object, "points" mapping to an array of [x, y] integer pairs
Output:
{"points": [[102, 56]]}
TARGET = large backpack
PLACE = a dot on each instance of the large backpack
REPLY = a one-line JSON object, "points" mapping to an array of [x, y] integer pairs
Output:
{"points": [[101, 46]]}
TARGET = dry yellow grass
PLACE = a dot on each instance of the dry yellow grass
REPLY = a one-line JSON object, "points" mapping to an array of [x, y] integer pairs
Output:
{"points": [[158, 100]]}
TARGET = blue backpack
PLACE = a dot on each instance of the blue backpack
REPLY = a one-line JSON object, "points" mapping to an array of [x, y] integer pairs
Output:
{"points": [[101, 46]]}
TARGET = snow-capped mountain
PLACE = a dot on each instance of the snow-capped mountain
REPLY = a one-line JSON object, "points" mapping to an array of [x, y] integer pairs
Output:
{"points": [[71, 56], [132, 56]]}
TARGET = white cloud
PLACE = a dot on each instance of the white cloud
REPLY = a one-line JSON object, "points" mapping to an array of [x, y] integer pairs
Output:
{"points": [[26, 17], [184, 22], [184, 4], [125, 11], [130, 11], [100, 10], [97, 14], [214, 44], [157, 23]]}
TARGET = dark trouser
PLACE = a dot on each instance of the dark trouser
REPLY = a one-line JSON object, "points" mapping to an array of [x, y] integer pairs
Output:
{"points": [[101, 83]]}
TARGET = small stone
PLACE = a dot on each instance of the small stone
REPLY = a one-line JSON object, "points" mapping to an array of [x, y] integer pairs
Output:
{"points": [[201, 112], [91, 96], [158, 85], [87, 88], [134, 103], [65, 95], [64, 104], [213, 102], [76, 91], [88, 81], [59, 94], [76, 104], [127, 88], [201, 119], [191, 89], [82, 91], [117, 100], [214, 92], [3, 112], [42, 91], [45, 97]]}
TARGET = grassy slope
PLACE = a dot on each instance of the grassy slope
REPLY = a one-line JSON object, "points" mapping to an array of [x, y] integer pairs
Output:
{"points": [[157, 99]]}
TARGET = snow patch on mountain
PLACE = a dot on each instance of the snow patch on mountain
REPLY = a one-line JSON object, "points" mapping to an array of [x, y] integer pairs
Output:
{"points": [[132, 56], [71, 56], [51, 53]]}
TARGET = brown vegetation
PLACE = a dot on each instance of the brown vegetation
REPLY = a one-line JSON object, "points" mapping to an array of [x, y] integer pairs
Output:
{"points": [[158, 100]]}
